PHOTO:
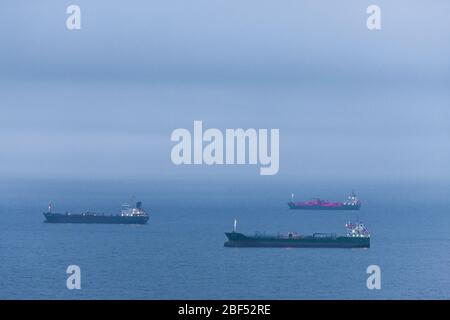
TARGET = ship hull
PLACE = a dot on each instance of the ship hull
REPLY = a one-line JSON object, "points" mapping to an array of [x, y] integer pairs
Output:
{"points": [[343, 207], [240, 240], [90, 218]]}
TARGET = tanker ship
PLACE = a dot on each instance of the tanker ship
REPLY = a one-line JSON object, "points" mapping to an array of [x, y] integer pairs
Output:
{"points": [[357, 237], [352, 203], [135, 215]]}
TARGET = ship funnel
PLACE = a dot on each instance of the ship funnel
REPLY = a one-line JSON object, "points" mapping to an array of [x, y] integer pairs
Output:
{"points": [[139, 205]]}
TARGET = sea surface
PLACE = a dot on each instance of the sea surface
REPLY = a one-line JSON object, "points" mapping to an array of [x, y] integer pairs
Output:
{"points": [[179, 254]]}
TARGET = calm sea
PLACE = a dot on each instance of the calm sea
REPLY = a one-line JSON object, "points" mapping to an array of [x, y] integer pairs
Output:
{"points": [[179, 254]]}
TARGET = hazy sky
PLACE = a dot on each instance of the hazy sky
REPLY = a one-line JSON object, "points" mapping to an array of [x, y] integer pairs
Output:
{"points": [[101, 102]]}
